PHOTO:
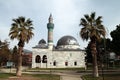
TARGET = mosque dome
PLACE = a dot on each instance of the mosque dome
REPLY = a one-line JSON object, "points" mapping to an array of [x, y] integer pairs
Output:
{"points": [[42, 41], [41, 44], [67, 42]]}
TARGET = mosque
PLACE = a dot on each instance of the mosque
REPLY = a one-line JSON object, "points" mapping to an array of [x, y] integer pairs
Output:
{"points": [[66, 54]]}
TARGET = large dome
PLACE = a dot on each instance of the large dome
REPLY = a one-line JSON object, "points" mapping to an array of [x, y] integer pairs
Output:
{"points": [[67, 42]]}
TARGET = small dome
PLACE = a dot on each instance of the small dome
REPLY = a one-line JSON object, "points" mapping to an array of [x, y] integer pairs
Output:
{"points": [[67, 42], [42, 41], [41, 44]]}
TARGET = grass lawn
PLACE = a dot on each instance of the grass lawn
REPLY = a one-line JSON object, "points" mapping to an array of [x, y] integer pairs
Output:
{"points": [[106, 77], [47, 76], [10, 76], [5, 75]]}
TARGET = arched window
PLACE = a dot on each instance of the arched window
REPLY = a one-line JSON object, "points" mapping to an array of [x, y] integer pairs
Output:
{"points": [[75, 63], [54, 63], [44, 59], [66, 63], [38, 59]]}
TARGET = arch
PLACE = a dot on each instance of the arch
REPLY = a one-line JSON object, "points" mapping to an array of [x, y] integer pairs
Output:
{"points": [[54, 63], [66, 63], [44, 59], [75, 63], [37, 59]]}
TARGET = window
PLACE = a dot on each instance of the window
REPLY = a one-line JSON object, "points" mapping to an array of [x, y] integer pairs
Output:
{"points": [[66, 63], [38, 59], [75, 63], [54, 63], [44, 59]]}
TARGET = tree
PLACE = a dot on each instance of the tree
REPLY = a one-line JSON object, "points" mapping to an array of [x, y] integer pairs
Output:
{"points": [[115, 34], [92, 29], [15, 55], [88, 54], [5, 53], [22, 31], [99, 48]]}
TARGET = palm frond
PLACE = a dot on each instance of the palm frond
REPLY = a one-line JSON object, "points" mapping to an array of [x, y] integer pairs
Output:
{"points": [[92, 27], [93, 15], [86, 16], [22, 30]]}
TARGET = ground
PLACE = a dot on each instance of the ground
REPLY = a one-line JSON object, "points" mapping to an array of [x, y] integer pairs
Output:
{"points": [[22, 78]]}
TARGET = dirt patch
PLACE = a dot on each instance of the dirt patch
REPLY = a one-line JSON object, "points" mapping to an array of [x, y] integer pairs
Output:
{"points": [[23, 78]]}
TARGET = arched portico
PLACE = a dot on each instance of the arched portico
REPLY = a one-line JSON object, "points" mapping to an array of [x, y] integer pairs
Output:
{"points": [[38, 60]]}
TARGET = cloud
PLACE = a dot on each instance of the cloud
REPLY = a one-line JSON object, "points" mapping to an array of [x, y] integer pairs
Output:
{"points": [[3, 32]]}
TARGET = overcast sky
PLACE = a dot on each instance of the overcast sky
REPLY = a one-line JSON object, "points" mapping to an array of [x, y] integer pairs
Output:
{"points": [[66, 15]]}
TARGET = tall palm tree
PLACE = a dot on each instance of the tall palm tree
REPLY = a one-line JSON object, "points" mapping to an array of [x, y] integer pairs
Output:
{"points": [[22, 31], [92, 29]]}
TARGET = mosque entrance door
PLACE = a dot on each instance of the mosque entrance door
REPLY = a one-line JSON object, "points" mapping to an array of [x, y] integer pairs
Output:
{"points": [[44, 61], [38, 61]]}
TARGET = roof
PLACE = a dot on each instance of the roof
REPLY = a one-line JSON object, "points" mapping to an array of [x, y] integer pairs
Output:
{"points": [[67, 40]]}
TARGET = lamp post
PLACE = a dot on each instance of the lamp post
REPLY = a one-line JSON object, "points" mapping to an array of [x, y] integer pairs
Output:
{"points": [[102, 52], [102, 68], [103, 58], [50, 71]]}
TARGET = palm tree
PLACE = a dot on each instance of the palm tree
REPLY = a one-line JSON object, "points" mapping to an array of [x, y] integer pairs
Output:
{"points": [[92, 29], [22, 31]]}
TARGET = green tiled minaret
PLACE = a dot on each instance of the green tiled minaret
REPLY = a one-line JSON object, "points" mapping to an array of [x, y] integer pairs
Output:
{"points": [[50, 27]]}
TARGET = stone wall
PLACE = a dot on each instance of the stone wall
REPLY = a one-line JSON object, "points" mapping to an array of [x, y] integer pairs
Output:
{"points": [[59, 59]]}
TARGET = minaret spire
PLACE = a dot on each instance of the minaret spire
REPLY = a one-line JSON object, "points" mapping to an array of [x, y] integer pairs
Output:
{"points": [[50, 18]]}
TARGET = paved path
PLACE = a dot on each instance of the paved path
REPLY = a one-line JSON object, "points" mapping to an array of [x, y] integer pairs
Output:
{"points": [[70, 77], [66, 76]]}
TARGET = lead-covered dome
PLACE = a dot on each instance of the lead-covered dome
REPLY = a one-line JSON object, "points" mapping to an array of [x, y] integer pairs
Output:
{"points": [[41, 44], [67, 42], [42, 41]]}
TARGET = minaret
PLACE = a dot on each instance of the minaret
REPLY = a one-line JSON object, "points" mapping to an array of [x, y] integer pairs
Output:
{"points": [[50, 27]]}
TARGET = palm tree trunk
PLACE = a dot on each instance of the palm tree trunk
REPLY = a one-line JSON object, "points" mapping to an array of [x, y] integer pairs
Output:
{"points": [[95, 66], [19, 64], [94, 55]]}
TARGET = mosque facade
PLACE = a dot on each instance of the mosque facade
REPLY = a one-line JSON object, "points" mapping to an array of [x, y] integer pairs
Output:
{"points": [[66, 54]]}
